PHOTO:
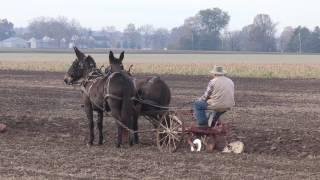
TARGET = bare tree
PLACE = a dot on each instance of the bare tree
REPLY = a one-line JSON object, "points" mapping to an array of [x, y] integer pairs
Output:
{"points": [[213, 20], [285, 38], [160, 38], [56, 28], [146, 32], [132, 38], [260, 35], [6, 29]]}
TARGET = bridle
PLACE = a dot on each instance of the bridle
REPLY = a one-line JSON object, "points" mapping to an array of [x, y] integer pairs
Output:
{"points": [[92, 71]]}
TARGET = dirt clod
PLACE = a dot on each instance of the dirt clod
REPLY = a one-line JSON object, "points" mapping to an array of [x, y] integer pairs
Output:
{"points": [[3, 128]]}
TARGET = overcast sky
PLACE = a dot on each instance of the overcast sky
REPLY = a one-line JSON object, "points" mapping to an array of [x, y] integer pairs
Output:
{"points": [[160, 13]]}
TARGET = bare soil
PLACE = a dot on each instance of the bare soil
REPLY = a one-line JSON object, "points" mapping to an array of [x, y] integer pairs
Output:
{"points": [[277, 119]]}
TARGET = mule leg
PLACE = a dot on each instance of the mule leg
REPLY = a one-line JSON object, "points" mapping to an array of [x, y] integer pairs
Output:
{"points": [[136, 115], [115, 112], [130, 123], [100, 126], [120, 129], [119, 138], [131, 135], [135, 125], [89, 112], [135, 128]]}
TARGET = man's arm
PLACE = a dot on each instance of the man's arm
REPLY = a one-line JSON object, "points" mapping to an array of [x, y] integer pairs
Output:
{"points": [[208, 92]]}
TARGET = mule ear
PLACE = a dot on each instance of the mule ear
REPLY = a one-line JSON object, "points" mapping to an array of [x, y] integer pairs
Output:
{"points": [[111, 57], [79, 54], [91, 61], [121, 56], [89, 58]]}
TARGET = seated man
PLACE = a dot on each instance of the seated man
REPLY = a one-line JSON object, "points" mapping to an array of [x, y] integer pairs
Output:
{"points": [[219, 97]]}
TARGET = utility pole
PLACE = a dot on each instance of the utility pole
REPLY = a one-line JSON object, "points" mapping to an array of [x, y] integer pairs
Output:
{"points": [[192, 40], [299, 42]]}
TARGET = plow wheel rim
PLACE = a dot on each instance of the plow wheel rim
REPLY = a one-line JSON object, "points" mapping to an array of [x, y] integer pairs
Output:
{"points": [[169, 133]]}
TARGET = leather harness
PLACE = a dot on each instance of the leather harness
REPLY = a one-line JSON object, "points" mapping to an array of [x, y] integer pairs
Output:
{"points": [[94, 80]]}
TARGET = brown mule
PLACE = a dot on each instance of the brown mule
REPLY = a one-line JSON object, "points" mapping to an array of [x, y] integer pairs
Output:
{"points": [[154, 92], [112, 93]]}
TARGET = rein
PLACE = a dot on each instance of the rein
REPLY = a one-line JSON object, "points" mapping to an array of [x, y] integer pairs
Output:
{"points": [[93, 77]]}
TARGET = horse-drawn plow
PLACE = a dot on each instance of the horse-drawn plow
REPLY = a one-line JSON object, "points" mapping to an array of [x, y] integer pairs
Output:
{"points": [[175, 126], [125, 98], [174, 130]]}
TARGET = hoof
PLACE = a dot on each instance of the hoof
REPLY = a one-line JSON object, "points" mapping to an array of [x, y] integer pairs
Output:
{"points": [[89, 144]]}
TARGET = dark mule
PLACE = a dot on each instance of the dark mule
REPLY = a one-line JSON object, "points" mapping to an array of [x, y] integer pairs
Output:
{"points": [[153, 91], [112, 92]]}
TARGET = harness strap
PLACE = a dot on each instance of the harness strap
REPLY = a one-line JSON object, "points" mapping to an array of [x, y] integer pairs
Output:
{"points": [[150, 103], [108, 87], [83, 89], [134, 82], [109, 95], [112, 96]]}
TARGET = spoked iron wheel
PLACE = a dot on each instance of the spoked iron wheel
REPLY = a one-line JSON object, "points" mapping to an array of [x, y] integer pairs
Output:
{"points": [[169, 133]]}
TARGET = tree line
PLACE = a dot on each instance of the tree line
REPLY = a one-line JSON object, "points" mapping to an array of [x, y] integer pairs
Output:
{"points": [[204, 31]]}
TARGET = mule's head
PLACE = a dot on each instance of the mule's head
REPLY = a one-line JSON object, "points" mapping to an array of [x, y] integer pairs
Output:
{"points": [[115, 63], [80, 67]]}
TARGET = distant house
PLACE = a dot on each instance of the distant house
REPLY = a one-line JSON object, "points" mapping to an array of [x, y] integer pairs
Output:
{"points": [[14, 42], [71, 45], [33, 43], [82, 41], [63, 43], [47, 42], [101, 39]]}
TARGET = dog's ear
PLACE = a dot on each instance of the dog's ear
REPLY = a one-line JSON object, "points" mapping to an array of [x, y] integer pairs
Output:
{"points": [[80, 55]]}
